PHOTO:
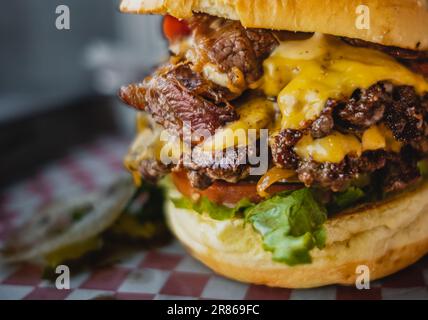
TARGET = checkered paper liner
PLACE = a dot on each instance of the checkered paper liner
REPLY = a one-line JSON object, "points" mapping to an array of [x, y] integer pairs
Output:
{"points": [[165, 273]]}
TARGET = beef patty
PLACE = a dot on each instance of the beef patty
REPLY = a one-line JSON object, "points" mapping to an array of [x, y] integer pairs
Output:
{"points": [[180, 93], [399, 108]]}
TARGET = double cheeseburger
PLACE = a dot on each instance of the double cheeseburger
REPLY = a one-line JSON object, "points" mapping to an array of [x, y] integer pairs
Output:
{"points": [[342, 92]]}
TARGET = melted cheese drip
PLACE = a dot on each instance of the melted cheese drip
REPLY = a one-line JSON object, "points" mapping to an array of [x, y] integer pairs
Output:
{"points": [[256, 114], [332, 148], [272, 176], [304, 74], [336, 146], [152, 143], [373, 139]]}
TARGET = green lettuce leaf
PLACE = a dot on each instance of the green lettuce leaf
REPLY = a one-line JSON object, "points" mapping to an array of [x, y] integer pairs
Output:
{"points": [[347, 198], [215, 211], [291, 225]]}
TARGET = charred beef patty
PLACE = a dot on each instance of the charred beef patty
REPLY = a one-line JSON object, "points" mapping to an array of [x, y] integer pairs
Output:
{"points": [[179, 93], [183, 92], [399, 108], [229, 166]]}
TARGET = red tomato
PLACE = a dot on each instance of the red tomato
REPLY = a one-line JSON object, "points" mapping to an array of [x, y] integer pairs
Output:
{"points": [[174, 28], [227, 193]]}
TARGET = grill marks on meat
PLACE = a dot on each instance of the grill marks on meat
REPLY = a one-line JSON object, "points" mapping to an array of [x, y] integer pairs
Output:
{"points": [[229, 46], [176, 95]]}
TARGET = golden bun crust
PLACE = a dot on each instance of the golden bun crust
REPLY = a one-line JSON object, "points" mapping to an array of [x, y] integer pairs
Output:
{"points": [[401, 23], [386, 238]]}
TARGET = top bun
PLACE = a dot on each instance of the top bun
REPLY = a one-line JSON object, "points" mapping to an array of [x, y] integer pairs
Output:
{"points": [[400, 23]]}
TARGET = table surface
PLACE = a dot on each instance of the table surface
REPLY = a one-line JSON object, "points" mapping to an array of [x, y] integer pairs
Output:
{"points": [[165, 273]]}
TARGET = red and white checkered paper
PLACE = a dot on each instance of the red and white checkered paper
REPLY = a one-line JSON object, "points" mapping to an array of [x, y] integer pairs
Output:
{"points": [[167, 273]]}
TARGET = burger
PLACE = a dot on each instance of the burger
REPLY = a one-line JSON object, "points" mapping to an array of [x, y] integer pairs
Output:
{"points": [[291, 135]]}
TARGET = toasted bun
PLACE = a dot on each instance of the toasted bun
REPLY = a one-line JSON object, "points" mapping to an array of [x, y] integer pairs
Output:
{"points": [[386, 238], [401, 23]]}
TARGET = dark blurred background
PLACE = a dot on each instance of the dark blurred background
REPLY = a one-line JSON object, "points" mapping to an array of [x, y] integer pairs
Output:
{"points": [[58, 87]]}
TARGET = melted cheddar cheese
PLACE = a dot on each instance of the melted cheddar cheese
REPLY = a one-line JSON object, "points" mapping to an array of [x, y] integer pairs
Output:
{"points": [[256, 114], [391, 144], [332, 148], [304, 74], [336, 146], [373, 139], [152, 143]]}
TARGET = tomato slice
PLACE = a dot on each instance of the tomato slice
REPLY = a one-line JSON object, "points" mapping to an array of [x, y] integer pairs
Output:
{"points": [[228, 193], [174, 29]]}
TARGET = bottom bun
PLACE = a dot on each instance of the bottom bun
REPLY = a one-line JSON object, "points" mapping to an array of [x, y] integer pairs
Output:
{"points": [[385, 237]]}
